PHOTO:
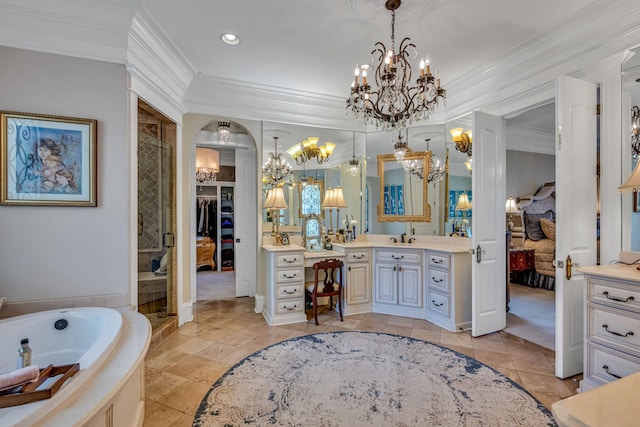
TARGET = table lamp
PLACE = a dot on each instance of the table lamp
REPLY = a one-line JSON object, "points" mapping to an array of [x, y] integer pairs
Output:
{"points": [[275, 201], [463, 205], [511, 208], [328, 202]]}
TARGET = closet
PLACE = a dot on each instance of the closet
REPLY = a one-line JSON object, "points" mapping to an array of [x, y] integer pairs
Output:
{"points": [[215, 226]]}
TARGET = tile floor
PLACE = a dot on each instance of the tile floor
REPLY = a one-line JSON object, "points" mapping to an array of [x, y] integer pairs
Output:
{"points": [[180, 371]]}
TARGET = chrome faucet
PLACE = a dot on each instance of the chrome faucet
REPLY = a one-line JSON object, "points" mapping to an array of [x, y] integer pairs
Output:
{"points": [[402, 237], [393, 239]]}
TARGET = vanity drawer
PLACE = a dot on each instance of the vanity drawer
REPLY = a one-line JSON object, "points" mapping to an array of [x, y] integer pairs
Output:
{"points": [[607, 364], [288, 260], [615, 327], [289, 291], [293, 306], [358, 256], [439, 259], [438, 303], [439, 279], [289, 275], [413, 257], [613, 293]]}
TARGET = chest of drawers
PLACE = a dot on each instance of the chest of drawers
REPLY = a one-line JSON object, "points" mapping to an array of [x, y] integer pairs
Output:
{"points": [[285, 298]]}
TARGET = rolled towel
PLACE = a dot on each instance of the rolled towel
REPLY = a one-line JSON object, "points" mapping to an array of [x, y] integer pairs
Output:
{"points": [[20, 376]]}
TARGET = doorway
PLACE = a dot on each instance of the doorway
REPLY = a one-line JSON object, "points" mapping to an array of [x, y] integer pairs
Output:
{"points": [[156, 220]]}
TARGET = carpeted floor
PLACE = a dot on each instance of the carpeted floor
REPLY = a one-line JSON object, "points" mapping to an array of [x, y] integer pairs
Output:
{"points": [[366, 378], [532, 315]]}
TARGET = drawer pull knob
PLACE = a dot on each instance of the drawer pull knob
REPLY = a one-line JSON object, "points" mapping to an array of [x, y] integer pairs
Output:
{"points": [[289, 277], [289, 261], [436, 261], [436, 304], [436, 280], [628, 334], [606, 294], [288, 292], [395, 257], [290, 308], [606, 369], [358, 256]]}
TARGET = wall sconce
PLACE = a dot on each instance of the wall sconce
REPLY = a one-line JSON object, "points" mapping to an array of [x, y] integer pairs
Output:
{"points": [[224, 130], [275, 201], [308, 149], [462, 139], [207, 165]]}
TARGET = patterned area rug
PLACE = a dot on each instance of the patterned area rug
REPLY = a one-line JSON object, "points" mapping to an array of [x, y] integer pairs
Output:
{"points": [[366, 378]]}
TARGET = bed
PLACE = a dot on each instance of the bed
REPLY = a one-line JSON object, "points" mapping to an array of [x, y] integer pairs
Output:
{"points": [[534, 228]]}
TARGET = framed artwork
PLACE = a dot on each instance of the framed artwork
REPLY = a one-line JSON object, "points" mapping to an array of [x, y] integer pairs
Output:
{"points": [[47, 160], [387, 206], [452, 203], [400, 194], [392, 199], [470, 197], [636, 202]]}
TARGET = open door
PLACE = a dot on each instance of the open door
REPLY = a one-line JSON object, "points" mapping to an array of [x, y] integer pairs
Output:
{"points": [[489, 312], [576, 145]]}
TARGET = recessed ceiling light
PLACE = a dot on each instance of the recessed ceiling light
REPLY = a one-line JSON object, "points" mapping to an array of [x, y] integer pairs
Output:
{"points": [[230, 39]]}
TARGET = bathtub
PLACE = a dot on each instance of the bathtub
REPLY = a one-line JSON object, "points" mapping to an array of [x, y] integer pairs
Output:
{"points": [[109, 344]]}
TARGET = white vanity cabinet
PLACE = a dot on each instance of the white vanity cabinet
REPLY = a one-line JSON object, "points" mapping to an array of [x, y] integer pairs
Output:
{"points": [[357, 288], [399, 282], [284, 302], [449, 290], [612, 325]]}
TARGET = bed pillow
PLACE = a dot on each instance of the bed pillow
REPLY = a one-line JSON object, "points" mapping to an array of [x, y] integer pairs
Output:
{"points": [[532, 224], [548, 228]]}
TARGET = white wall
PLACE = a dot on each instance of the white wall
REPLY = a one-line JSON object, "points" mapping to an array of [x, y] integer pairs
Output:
{"points": [[527, 172], [58, 253]]}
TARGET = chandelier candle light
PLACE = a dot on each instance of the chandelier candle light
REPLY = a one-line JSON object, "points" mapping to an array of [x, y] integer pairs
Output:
{"points": [[394, 104], [276, 169]]}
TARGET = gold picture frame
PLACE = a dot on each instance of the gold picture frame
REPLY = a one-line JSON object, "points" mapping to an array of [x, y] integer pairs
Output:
{"points": [[47, 160]]}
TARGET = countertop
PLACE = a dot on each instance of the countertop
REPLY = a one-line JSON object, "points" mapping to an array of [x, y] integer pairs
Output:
{"points": [[615, 271], [438, 244], [612, 404]]}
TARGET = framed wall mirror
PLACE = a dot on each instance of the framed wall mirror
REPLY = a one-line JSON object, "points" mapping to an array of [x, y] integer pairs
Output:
{"points": [[310, 193], [403, 188], [312, 232]]}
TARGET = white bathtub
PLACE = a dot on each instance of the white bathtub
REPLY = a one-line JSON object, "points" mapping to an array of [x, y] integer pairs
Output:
{"points": [[109, 345]]}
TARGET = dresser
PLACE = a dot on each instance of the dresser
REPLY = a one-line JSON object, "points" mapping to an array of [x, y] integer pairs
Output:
{"points": [[612, 324], [205, 249], [284, 302]]}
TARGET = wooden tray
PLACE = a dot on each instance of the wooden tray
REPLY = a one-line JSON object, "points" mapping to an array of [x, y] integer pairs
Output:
{"points": [[28, 393]]}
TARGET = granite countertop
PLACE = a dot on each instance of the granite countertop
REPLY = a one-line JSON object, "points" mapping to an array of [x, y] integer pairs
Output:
{"points": [[615, 271], [612, 404]]}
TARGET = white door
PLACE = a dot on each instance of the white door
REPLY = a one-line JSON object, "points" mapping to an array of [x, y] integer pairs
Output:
{"points": [[575, 214], [489, 225], [246, 234]]}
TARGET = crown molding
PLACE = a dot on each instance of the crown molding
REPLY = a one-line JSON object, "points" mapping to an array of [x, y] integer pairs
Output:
{"points": [[530, 140]]}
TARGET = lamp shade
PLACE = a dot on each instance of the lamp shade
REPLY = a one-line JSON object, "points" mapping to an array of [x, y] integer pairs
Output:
{"points": [[207, 158], [633, 182], [275, 199], [511, 206], [339, 198], [463, 202], [328, 201]]}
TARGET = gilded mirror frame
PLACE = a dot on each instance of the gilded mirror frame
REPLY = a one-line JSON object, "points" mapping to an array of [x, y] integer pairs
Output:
{"points": [[425, 156], [314, 239], [310, 181]]}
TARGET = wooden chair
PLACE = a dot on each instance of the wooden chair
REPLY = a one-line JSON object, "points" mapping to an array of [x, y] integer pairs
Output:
{"points": [[329, 287]]}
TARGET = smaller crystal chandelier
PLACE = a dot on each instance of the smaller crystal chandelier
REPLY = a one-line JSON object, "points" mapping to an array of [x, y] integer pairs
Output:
{"points": [[635, 132], [354, 166], [224, 129], [414, 168], [276, 169], [462, 140], [437, 169], [308, 149], [400, 148], [207, 165]]}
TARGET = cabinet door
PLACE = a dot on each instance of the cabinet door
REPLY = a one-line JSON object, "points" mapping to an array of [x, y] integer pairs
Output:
{"points": [[410, 285], [386, 283], [358, 283]]}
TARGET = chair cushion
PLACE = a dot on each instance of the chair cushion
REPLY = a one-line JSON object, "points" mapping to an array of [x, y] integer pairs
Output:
{"points": [[532, 224], [548, 228]]}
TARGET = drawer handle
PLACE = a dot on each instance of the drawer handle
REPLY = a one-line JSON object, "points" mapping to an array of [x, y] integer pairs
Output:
{"points": [[290, 308], [606, 294], [358, 256], [437, 305], [395, 257], [288, 292], [628, 334], [289, 261], [436, 280], [606, 369], [437, 261], [289, 277]]}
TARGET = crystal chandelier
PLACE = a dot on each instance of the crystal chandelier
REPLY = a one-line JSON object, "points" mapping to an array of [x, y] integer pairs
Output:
{"points": [[400, 148], [207, 165], [308, 149], [276, 169], [224, 129], [414, 168], [354, 166], [436, 167], [394, 104], [635, 132]]}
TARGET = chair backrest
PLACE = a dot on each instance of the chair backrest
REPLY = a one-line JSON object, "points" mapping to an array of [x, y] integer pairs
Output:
{"points": [[329, 266]]}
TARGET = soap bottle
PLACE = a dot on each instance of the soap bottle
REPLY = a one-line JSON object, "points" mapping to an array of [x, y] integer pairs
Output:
{"points": [[24, 354]]}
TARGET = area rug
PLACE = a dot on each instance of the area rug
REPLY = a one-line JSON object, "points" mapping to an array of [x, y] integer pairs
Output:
{"points": [[366, 379]]}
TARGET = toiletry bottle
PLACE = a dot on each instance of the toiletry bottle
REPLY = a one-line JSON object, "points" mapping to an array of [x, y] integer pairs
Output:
{"points": [[24, 354]]}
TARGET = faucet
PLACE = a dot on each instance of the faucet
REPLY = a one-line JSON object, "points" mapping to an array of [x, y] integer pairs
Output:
{"points": [[402, 237], [412, 239], [393, 239]]}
